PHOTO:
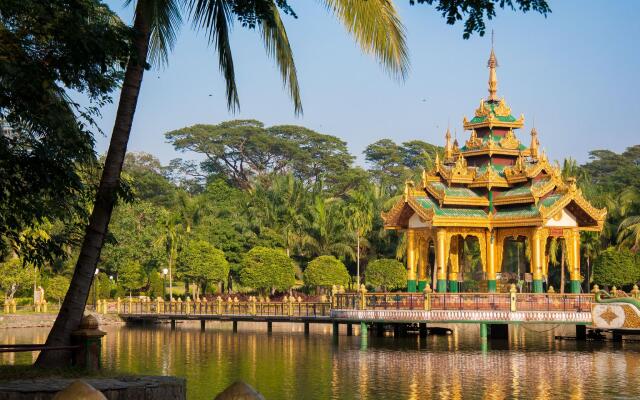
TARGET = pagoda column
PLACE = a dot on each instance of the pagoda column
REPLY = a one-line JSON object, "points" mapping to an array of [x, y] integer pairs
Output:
{"points": [[536, 261], [441, 259], [454, 249], [491, 261], [573, 248], [423, 254], [411, 260]]}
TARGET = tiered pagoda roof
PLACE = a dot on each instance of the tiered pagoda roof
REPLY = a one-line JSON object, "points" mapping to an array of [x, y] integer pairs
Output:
{"points": [[493, 180]]}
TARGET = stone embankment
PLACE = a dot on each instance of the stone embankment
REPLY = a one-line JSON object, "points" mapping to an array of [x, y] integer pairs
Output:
{"points": [[14, 321], [126, 388]]}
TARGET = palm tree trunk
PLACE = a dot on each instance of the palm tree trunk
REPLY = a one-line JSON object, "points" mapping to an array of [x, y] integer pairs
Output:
{"points": [[72, 309], [358, 261], [562, 269]]}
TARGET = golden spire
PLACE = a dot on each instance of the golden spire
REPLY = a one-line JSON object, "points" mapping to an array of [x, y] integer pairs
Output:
{"points": [[448, 149], [533, 148], [493, 79]]}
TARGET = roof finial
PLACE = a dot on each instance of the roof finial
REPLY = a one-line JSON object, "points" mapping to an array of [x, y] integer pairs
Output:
{"points": [[493, 79]]}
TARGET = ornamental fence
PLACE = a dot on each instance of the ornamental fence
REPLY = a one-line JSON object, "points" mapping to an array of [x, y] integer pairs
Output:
{"points": [[465, 301], [287, 307]]}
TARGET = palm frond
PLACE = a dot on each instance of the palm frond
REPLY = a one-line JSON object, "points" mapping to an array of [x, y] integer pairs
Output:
{"points": [[276, 43], [377, 28], [165, 19], [215, 17]]}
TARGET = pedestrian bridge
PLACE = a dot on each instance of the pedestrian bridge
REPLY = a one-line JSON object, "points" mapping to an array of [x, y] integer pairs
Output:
{"points": [[362, 307]]}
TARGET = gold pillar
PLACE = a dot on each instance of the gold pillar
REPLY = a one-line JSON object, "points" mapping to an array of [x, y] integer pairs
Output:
{"points": [[536, 261], [441, 259], [453, 258], [411, 260], [422, 260], [572, 239], [491, 260]]}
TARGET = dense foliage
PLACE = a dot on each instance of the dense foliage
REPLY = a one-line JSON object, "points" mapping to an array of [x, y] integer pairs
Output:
{"points": [[48, 48], [615, 267]]}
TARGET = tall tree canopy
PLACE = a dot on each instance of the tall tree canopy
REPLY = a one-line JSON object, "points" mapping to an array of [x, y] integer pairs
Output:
{"points": [[245, 151]]}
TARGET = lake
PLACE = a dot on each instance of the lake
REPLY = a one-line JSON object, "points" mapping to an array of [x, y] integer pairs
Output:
{"points": [[289, 365]]}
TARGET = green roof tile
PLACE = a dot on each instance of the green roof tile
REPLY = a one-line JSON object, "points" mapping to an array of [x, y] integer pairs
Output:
{"points": [[526, 211], [454, 191], [428, 203]]}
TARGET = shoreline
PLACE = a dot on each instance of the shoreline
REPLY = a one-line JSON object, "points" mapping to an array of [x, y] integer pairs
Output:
{"points": [[42, 320]]}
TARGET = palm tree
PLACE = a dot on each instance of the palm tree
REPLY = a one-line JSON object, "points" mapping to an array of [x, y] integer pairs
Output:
{"points": [[375, 25], [591, 245], [327, 231], [629, 233], [558, 245], [359, 214], [170, 238]]}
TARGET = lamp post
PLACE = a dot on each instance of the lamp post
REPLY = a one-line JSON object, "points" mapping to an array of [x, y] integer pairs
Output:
{"points": [[165, 271], [95, 288]]}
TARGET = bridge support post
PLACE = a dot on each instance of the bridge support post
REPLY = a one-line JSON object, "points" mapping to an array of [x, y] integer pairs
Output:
{"points": [[581, 332], [616, 336], [349, 330], [423, 329], [173, 324], [483, 332], [235, 326], [269, 327], [202, 325], [336, 329], [396, 330], [306, 329], [364, 329]]}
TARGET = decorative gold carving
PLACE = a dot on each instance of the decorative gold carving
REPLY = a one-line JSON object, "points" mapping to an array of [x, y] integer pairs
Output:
{"points": [[502, 110], [609, 316], [474, 140], [482, 111], [509, 141], [490, 178], [631, 318]]}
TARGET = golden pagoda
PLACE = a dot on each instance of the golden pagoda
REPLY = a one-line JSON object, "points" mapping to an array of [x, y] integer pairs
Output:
{"points": [[493, 188]]}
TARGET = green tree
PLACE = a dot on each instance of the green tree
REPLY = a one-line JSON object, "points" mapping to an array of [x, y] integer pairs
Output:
{"points": [[56, 287], [326, 271], [15, 276], [267, 269], [373, 24], [202, 263], [48, 49], [131, 276], [616, 267], [386, 273]]}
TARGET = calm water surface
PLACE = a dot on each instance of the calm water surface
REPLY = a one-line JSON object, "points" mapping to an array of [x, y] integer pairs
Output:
{"points": [[288, 365]]}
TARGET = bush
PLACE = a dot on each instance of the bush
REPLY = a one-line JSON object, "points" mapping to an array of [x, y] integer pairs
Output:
{"points": [[325, 271], [202, 263], [386, 273], [616, 267], [267, 269]]}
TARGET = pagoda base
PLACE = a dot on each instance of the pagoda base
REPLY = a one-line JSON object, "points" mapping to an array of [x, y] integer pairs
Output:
{"points": [[537, 286], [491, 285], [411, 286], [422, 285], [442, 285], [575, 286], [453, 286]]}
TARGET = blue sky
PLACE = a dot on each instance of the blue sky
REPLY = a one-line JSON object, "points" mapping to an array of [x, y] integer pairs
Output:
{"points": [[575, 73]]}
